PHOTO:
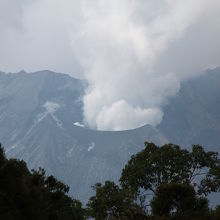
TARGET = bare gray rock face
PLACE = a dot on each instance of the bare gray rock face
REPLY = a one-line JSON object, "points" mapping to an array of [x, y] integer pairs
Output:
{"points": [[41, 122]]}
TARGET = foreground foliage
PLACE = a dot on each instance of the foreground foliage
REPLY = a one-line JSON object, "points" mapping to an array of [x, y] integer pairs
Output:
{"points": [[161, 183], [158, 183], [32, 195]]}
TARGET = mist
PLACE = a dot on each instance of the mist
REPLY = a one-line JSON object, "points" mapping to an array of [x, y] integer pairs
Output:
{"points": [[134, 54]]}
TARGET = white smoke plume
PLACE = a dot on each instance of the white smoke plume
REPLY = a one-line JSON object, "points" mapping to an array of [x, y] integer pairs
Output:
{"points": [[119, 46]]}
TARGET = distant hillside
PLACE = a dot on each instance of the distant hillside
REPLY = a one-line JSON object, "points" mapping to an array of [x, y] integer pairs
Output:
{"points": [[37, 116], [193, 116], [38, 112]]}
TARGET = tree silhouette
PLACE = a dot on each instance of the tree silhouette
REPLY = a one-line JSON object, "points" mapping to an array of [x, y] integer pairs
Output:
{"points": [[32, 195]]}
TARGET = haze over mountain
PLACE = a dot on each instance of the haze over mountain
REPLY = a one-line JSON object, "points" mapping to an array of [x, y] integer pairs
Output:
{"points": [[41, 122], [37, 116], [193, 116], [116, 45]]}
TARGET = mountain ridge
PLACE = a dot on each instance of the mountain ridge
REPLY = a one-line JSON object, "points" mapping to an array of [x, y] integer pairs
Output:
{"points": [[37, 125], [38, 111]]}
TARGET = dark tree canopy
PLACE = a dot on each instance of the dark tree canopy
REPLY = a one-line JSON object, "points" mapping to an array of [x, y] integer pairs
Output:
{"points": [[33, 195], [158, 183], [111, 202], [2, 155], [155, 166], [178, 201]]}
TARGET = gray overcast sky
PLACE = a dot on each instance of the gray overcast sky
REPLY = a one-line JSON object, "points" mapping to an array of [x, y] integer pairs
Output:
{"points": [[149, 45]]}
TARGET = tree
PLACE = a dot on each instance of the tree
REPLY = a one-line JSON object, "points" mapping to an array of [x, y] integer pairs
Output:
{"points": [[33, 195], [111, 202], [155, 166], [215, 214], [172, 181], [2, 155], [107, 202], [178, 201]]}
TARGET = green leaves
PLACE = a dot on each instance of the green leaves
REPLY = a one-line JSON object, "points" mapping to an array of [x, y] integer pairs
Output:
{"points": [[169, 179], [113, 202], [2, 155], [108, 201], [177, 200], [33, 195], [211, 183], [155, 166]]}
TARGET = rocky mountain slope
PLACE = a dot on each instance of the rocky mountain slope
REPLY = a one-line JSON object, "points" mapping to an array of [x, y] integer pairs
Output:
{"points": [[38, 112], [41, 112], [193, 116]]}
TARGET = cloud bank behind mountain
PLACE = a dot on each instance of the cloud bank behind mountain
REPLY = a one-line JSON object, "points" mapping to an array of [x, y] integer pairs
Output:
{"points": [[133, 53]]}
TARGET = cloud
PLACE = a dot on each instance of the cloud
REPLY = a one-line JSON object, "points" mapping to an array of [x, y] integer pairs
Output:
{"points": [[133, 53], [119, 50], [121, 116], [79, 124], [51, 107], [36, 35]]}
